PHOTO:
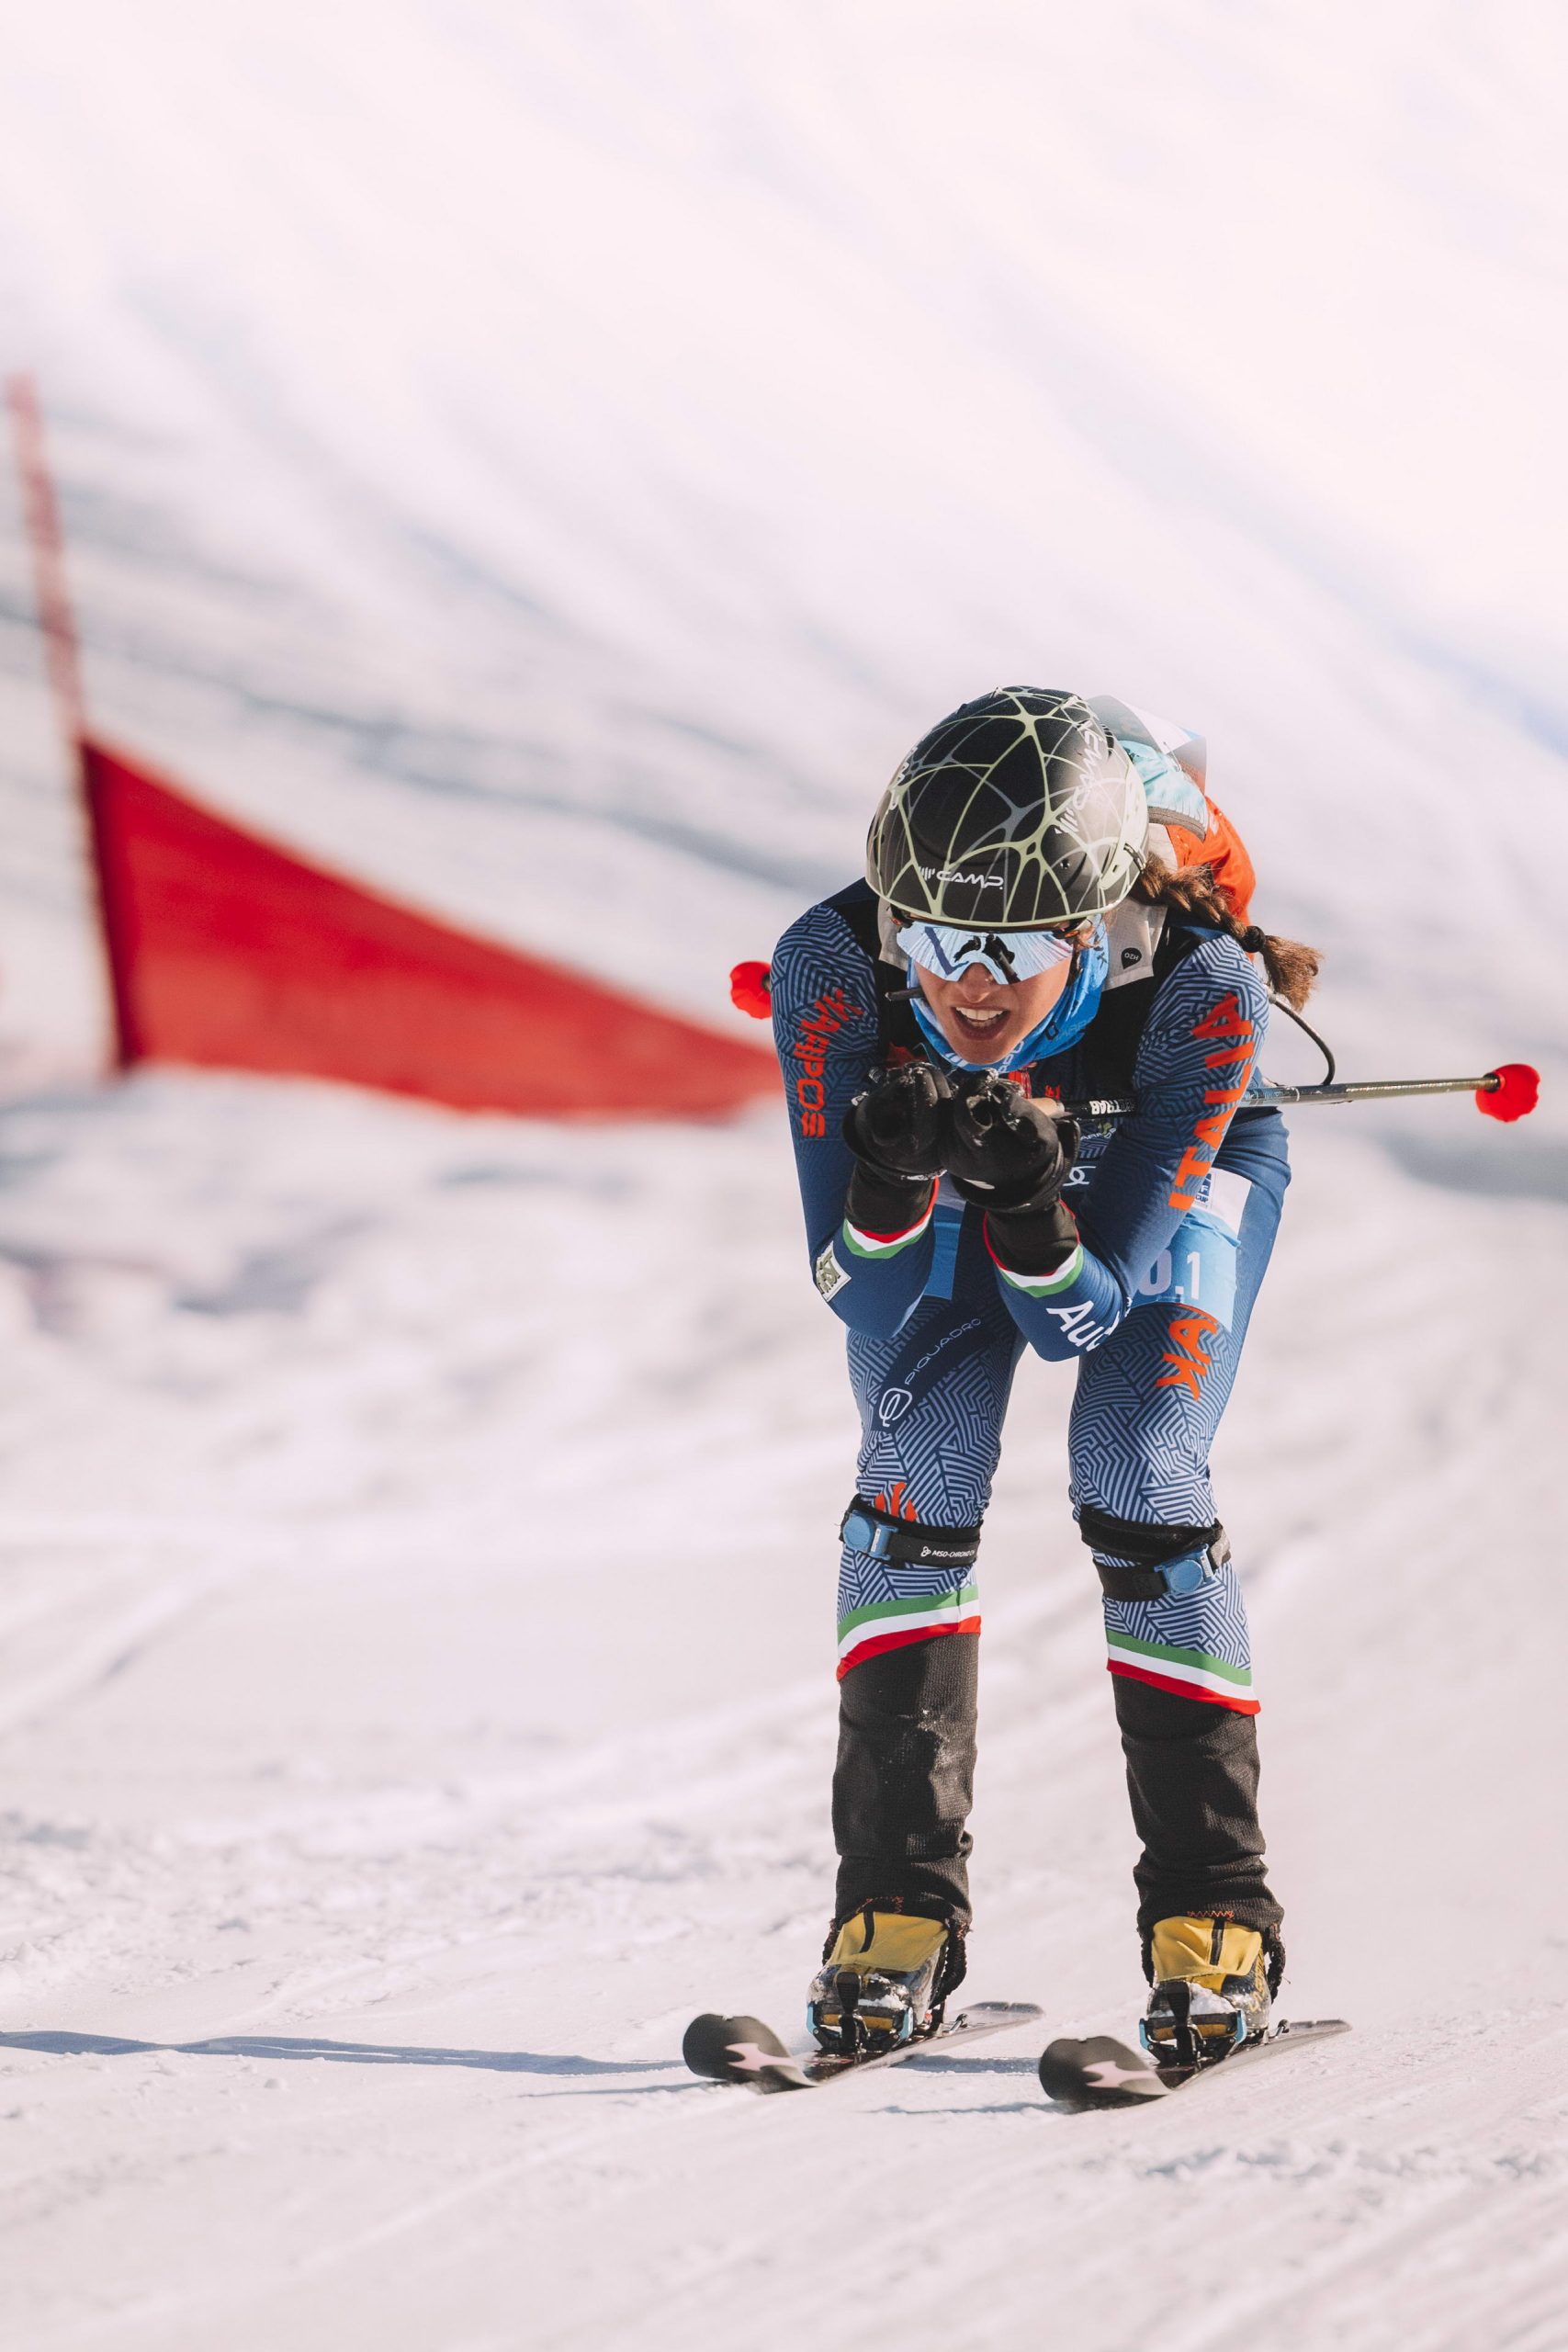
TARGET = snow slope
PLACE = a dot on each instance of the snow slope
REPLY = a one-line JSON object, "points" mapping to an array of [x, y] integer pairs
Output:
{"points": [[553, 461], [402, 1739]]}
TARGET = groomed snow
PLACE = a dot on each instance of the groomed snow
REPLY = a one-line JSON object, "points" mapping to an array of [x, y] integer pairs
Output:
{"points": [[553, 459], [415, 1692]]}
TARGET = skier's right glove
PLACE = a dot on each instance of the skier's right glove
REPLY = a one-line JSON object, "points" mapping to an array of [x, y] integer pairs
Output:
{"points": [[897, 1130], [1011, 1156]]}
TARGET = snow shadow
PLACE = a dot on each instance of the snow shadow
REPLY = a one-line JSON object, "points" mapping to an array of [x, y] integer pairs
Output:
{"points": [[1526, 1170], [353, 2053], [932, 2065]]}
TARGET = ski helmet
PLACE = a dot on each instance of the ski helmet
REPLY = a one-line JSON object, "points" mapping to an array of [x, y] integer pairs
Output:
{"points": [[1017, 812]]}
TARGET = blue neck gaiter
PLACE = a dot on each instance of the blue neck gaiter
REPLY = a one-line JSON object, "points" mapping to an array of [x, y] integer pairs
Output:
{"points": [[1061, 1027]]}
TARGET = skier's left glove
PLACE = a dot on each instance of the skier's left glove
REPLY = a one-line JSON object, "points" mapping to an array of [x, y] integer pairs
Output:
{"points": [[1011, 1156]]}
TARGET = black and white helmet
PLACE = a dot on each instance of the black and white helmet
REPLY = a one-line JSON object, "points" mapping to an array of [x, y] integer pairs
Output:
{"points": [[1017, 811]]}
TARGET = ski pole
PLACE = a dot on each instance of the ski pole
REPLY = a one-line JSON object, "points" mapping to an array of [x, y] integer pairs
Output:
{"points": [[1509, 1093]]}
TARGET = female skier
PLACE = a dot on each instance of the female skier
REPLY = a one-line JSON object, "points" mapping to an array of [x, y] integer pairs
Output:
{"points": [[1033, 929]]}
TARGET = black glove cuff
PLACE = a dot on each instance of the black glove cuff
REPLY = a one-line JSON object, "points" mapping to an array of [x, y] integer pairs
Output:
{"points": [[878, 1201], [1032, 1241]]}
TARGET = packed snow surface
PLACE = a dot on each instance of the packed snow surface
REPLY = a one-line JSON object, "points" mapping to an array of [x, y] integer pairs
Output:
{"points": [[418, 1590], [552, 461]]}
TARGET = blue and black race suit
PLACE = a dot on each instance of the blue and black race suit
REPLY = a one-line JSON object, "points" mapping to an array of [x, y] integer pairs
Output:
{"points": [[1176, 1207]]}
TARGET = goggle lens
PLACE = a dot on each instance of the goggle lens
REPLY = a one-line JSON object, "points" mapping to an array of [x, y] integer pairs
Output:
{"points": [[946, 948]]}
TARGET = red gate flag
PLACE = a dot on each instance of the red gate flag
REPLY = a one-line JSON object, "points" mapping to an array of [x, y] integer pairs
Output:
{"points": [[229, 951]]}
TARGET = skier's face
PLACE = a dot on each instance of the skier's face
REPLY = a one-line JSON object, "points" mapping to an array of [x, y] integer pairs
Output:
{"points": [[983, 1019]]}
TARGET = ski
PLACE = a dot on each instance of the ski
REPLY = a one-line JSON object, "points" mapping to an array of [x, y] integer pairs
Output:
{"points": [[746, 2052], [1102, 2071]]}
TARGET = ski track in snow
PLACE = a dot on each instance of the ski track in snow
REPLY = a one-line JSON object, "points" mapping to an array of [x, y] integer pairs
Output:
{"points": [[370, 1843]]}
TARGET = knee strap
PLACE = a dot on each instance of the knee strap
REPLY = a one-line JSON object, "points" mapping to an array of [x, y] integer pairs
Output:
{"points": [[1165, 1560], [865, 1527]]}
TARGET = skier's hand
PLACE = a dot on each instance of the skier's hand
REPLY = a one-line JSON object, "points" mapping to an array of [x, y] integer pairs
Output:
{"points": [[898, 1129], [1005, 1152]]}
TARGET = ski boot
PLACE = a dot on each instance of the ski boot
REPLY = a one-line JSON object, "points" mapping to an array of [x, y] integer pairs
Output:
{"points": [[1213, 1990], [885, 1976]]}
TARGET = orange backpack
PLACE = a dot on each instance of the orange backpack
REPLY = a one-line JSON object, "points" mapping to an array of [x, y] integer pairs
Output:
{"points": [[1173, 763]]}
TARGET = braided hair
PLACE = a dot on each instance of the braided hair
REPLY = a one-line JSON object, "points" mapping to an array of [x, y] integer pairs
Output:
{"points": [[1291, 967]]}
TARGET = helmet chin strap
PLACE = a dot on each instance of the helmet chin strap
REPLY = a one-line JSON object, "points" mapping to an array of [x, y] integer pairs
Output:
{"points": [[1061, 1027]]}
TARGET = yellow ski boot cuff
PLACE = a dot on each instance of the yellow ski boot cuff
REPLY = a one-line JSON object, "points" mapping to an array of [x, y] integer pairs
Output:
{"points": [[1204, 1951], [898, 1943]]}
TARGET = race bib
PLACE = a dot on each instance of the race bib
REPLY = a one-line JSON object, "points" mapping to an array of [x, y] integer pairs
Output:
{"points": [[1198, 1267]]}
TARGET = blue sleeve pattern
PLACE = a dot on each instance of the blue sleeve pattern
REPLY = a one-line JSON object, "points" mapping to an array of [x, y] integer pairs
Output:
{"points": [[1148, 1197], [827, 1034]]}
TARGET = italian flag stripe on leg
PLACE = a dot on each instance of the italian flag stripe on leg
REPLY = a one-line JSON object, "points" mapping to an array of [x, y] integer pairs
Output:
{"points": [[921, 1605], [1191, 1674], [900, 1637], [886, 1624]]}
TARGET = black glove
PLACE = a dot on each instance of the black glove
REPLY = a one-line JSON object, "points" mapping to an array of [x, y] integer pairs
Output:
{"points": [[1005, 1152], [897, 1130], [1011, 1156], [899, 1127]]}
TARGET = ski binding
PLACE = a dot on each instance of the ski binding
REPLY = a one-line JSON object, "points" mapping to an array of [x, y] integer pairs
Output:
{"points": [[1103, 2071]]}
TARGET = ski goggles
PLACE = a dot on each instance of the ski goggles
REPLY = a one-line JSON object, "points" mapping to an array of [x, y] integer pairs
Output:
{"points": [[947, 948]]}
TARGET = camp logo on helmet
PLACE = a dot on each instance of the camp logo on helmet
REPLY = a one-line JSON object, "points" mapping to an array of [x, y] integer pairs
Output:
{"points": [[961, 874]]}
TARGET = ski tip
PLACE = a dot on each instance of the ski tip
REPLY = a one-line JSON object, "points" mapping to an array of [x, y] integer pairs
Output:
{"points": [[740, 2049], [1099, 2071], [703, 2045]]}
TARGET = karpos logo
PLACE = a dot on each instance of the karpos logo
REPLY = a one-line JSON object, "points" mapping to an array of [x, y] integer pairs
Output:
{"points": [[826, 1013]]}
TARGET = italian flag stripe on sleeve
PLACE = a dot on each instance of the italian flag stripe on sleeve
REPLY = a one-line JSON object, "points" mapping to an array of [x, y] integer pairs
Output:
{"points": [[886, 1245], [1043, 1285]]}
